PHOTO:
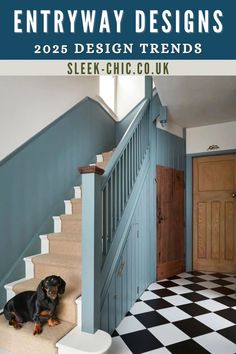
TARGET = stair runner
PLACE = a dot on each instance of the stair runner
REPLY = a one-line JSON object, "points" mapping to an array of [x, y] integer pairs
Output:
{"points": [[63, 259]]}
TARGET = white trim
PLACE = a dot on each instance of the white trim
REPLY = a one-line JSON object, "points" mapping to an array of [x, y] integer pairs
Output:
{"points": [[57, 224], [78, 302], [29, 266], [99, 158], [44, 244], [68, 207], [77, 192], [78, 342], [9, 288]]}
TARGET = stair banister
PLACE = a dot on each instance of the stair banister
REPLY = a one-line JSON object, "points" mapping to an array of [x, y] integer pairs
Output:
{"points": [[91, 247]]}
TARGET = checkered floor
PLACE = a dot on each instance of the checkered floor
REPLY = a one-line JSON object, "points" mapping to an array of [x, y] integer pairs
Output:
{"points": [[189, 313]]}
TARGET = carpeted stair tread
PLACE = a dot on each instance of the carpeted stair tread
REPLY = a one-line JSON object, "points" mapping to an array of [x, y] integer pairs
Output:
{"points": [[58, 260], [23, 341], [73, 217], [67, 306], [63, 236]]}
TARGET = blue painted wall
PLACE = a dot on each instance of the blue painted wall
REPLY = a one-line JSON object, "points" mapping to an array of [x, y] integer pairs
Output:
{"points": [[37, 177], [170, 150]]}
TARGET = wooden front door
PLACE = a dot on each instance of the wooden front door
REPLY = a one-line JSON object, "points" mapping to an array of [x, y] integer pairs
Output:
{"points": [[170, 222], [214, 213]]}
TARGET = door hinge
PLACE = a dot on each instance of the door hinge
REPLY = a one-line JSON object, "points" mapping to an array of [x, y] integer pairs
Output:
{"points": [[137, 289]]}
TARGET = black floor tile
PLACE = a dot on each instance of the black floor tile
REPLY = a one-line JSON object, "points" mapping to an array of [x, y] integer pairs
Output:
{"points": [[226, 300], [195, 279], [115, 334], [219, 275], [167, 284], [187, 347], [192, 327], [229, 333], [195, 287], [228, 314], [193, 309], [164, 292], [194, 297], [151, 319], [141, 341], [222, 282], [158, 304], [225, 291], [196, 273]]}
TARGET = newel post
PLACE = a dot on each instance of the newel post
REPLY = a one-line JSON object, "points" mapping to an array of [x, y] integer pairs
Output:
{"points": [[91, 247], [152, 174]]}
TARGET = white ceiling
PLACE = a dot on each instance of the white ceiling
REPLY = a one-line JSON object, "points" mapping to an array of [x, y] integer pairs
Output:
{"points": [[194, 101]]}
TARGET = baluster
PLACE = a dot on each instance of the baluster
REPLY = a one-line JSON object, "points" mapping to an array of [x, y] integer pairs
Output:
{"points": [[115, 198]]}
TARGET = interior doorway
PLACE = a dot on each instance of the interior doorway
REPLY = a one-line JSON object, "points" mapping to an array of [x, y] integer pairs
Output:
{"points": [[214, 213], [170, 222]]}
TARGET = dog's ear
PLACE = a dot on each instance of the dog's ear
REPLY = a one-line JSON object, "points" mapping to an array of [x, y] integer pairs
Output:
{"points": [[62, 285], [40, 290]]}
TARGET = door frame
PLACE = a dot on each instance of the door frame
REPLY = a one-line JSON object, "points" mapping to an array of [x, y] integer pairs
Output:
{"points": [[189, 202]]}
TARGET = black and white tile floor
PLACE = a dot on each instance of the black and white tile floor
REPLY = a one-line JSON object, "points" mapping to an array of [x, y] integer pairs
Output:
{"points": [[190, 313]]}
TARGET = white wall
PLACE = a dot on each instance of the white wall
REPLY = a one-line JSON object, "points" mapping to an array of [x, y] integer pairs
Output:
{"points": [[130, 91], [198, 139], [28, 104], [172, 128]]}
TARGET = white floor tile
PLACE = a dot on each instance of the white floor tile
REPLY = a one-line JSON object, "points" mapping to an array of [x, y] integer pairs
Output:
{"points": [[173, 314], [159, 351], [118, 346], [185, 275], [180, 290], [148, 295], [129, 324], [207, 277], [209, 284], [168, 334], [177, 300], [231, 279], [140, 307], [182, 281], [211, 305], [214, 321], [211, 294], [232, 286], [216, 343], [155, 286]]}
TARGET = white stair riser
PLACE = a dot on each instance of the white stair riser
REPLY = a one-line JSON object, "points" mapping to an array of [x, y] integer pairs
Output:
{"points": [[68, 207], [57, 224], [44, 244], [77, 192]]}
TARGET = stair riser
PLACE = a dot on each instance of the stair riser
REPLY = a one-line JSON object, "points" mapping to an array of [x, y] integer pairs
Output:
{"points": [[71, 226], [67, 311], [72, 248], [76, 207], [41, 271]]}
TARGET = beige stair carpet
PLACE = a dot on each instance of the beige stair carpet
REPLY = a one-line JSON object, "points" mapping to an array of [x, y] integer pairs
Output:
{"points": [[63, 259]]}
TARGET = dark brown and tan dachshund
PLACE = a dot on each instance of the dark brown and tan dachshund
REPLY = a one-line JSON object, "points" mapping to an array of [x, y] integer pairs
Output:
{"points": [[37, 306]]}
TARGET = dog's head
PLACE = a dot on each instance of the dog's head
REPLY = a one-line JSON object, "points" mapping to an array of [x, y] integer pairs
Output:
{"points": [[51, 287]]}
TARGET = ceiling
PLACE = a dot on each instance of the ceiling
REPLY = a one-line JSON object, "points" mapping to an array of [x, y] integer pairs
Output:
{"points": [[194, 101]]}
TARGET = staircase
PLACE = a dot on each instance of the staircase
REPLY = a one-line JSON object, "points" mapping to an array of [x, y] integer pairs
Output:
{"points": [[60, 255]]}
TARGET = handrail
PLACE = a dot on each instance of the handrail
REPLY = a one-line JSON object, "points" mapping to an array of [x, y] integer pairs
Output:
{"points": [[121, 173], [120, 147]]}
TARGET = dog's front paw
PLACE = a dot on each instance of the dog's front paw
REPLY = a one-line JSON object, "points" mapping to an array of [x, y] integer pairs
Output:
{"points": [[37, 328], [53, 322]]}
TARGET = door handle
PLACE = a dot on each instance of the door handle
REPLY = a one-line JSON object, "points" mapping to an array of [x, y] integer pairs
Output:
{"points": [[234, 195]]}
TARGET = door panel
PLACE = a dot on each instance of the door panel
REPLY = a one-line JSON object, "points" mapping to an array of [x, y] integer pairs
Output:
{"points": [[170, 222], [214, 213]]}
